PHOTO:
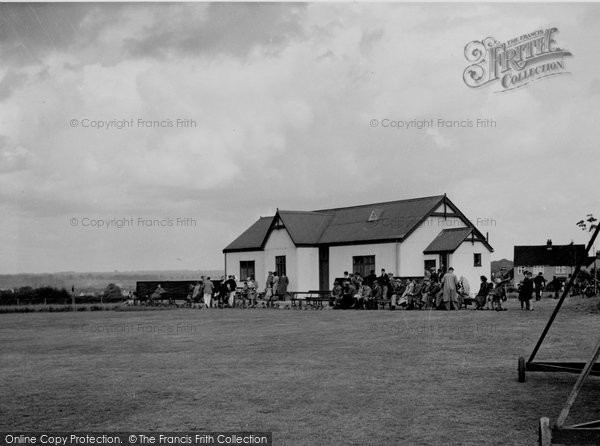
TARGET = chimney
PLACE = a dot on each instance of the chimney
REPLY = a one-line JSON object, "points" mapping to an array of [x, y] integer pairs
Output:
{"points": [[549, 244]]}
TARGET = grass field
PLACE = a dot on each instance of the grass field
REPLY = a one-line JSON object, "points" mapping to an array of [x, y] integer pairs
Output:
{"points": [[311, 377]]}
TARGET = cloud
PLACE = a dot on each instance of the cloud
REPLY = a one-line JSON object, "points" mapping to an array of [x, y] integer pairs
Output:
{"points": [[281, 96]]}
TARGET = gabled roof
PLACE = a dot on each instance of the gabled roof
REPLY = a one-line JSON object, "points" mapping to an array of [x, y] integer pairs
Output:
{"points": [[305, 228], [448, 240], [371, 223], [396, 220], [252, 238], [549, 255]]}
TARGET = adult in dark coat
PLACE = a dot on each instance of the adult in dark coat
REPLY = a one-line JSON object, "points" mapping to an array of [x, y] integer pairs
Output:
{"points": [[481, 298], [526, 292], [282, 285], [384, 282], [540, 283], [372, 277]]}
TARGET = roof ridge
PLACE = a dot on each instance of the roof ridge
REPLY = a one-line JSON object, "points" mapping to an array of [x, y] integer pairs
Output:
{"points": [[303, 212], [381, 203], [545, 245], [470, 228]]}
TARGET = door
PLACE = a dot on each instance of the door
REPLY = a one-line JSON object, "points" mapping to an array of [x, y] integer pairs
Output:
{"points": [[324, 284], [444, 262]]}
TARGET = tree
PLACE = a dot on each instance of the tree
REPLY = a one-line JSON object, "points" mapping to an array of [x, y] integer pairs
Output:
{"points": [[112, 292], [589, 224]]}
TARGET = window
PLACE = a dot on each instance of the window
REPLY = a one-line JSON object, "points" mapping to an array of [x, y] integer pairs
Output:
{"points": [[537, 269], [375, 215], [521, 270], [246, 269], [561, 270], [363, 265], [430, 264], [477, 259], [280, 265]]}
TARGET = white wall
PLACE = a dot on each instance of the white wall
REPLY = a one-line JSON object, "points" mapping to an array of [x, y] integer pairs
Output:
{"points": [[232, 265], [412, 259], [307, 271], [340, 258], [462, 262]]}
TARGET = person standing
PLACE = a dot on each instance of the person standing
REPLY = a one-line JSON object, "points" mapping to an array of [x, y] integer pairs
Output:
{"points": [[196, 292], [223, 292], [208, 292], [539, 283], [527, 292], [269, 286], [251, 291], [450, 286], [384, 282], [372, 277], [481, 298], [231, 290], [434, 275], [555, 284], [274, 297], [282, 286]]}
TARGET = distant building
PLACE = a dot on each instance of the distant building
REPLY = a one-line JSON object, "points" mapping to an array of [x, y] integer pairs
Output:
{"points": [[550, 260], [404, 237]]}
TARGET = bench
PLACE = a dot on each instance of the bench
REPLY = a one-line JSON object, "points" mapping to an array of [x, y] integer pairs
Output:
{"points": [[313, 298]]}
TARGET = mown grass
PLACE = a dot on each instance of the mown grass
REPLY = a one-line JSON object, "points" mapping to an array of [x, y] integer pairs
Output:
{"points": [[311, 377]]}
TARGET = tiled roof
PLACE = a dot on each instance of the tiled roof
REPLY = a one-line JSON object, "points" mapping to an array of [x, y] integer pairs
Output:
{"points": [[253, 237], [305, 228], [557, 255], [394, 220], [448, 240]]}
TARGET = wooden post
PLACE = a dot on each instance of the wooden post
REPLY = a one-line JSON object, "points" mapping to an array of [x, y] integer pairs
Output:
{"points": [[564, 295], [564, 413], [545, 432]]}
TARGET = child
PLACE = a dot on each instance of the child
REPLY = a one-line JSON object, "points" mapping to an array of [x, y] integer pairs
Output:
{"points": [[498, 295]]}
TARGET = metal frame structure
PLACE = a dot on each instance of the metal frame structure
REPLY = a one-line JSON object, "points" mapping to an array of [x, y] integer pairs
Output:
{"points": [[583, 433]]}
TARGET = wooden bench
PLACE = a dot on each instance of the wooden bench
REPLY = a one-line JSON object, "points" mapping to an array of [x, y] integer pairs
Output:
{"points": [[313, 298], [383, 303]]}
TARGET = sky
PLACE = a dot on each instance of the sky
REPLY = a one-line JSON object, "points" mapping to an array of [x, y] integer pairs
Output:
{"points": [[278, 105]]}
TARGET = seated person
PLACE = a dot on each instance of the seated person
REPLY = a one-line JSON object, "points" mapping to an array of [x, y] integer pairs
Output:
{"points": [[415, 302], [348, 293], [398, 291], [376, 293], [363, 296], [336, 294]]}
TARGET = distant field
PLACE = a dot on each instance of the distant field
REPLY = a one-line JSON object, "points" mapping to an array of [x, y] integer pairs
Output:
{"points": [[312, 377]]}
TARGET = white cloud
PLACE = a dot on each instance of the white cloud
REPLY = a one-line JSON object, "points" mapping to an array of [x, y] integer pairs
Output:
{"points": [[283, 117]]}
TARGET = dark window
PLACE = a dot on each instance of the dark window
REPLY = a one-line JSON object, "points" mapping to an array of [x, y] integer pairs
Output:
{"points": [[430, 264], [280, 265], [363, 265], [476, 259], [246, 269]]}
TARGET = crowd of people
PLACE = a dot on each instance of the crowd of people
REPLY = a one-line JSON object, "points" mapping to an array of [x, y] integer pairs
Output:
{"points": [[437, 290], [229, 294]]}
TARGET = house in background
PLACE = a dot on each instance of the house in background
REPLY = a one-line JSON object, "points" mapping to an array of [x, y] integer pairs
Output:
{"points": [[549, 259], [314, 247]]}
